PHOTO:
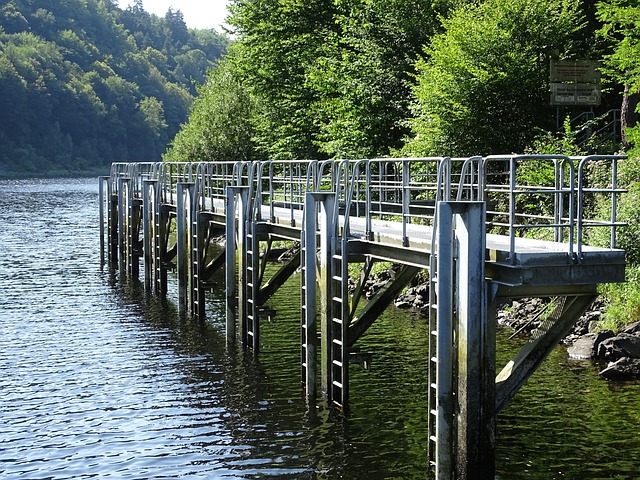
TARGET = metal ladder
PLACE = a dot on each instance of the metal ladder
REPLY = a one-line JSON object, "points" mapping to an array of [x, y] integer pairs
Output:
{"points": [[339, 351], [252, 272], [161, 230], [443, 191], [304, 334], [197, 251], [433, 359]]}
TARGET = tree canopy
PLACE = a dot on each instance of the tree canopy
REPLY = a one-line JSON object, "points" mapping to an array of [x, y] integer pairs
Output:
{"points": [[368, 78], [329, 78], [483, 83]]}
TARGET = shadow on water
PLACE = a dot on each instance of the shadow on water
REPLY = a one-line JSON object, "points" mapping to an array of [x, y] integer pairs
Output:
{"points": [[568, 423], [265, 409]]}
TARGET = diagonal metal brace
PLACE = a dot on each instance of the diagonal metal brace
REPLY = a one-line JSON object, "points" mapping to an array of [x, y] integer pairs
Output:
{"points": [[379, 303], [531, 355]]}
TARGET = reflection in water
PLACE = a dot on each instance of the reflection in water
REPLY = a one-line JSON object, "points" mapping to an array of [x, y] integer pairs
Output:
{"points": [[100, 379]]}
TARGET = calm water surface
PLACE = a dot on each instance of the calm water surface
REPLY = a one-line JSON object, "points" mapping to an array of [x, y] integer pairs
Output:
{"points": [[99, 380]]}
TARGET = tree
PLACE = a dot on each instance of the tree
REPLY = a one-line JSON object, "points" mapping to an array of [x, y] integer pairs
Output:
{"points": [[363, 73], [177, 27], [482, 86], [83, 83], [278, 40], [12, 19], [621, 27], [220, 123]]}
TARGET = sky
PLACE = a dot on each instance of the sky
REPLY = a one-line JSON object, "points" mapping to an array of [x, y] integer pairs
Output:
{"points": [[197, 13]]}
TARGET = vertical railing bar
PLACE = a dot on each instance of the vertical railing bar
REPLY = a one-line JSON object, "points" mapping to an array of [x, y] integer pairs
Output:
{"points": [[614, 200]]}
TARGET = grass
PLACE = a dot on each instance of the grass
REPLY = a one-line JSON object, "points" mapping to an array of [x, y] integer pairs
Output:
{"points": [[623, 301]]}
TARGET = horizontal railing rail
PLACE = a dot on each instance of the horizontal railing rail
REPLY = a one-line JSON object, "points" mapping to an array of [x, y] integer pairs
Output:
{"points": [[545, 197]]}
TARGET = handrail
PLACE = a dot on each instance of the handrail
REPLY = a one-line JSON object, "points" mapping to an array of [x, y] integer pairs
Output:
{"points": [[584, 189], [517, 190], [407, 190]]}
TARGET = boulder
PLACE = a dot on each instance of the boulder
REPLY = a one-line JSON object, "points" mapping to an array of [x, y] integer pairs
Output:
{"points": [[402, 304], [622, 345], [582, 348], [633, 328], [600, 337], [624, 368]]}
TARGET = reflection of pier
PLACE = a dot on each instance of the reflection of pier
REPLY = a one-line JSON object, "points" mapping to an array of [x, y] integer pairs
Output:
{"points": [[460, 219]]}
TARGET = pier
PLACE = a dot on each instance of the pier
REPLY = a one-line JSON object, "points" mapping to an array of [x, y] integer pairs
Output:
{"points": [[477, 225]]}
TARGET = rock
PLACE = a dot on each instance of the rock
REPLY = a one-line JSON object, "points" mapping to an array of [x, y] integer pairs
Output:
{"points": [[582, 348], [623, 369], [402, 304], [633, 328], [423, 290], [600, 337], [622, 345]]}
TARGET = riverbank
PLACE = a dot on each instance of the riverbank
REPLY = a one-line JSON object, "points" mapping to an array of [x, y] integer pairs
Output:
{"points": [[6, 174]]}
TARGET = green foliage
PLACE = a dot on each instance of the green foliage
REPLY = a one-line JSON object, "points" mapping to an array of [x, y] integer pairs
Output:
{"points": [[628, 237], [328, 78], [621, 26], [482, 86], [553, 143], [219, 126], [363, 73], [623, 301], [277, 39], [77, 90]]}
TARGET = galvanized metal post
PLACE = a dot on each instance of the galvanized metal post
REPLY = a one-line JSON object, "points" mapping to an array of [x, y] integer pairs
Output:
{"points": [[102, 182], [465, 401], [317, 273], [132, 229], [122, 225], [406, 199], [444, 350], [161, 233], [184, 200], [309, 301], [234, 229], [474, 385], [112, 227], [149, 188]]}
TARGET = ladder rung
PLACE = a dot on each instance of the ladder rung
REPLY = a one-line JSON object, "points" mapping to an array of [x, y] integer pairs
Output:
{"points": [[335, 341], [337, 363], [336, 384]]}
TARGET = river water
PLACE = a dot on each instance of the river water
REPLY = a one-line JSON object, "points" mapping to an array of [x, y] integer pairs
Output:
{"points": [[99, 380]]}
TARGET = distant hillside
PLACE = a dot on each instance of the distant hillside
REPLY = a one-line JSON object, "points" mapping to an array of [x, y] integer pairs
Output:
{"points": [[84, 83]]}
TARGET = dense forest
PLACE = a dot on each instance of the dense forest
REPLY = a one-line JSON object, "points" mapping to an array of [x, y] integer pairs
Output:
{"points": [[84, 83], [368, 78]]}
